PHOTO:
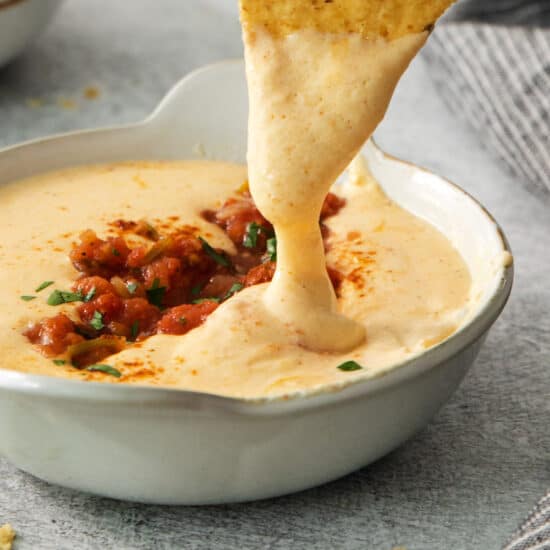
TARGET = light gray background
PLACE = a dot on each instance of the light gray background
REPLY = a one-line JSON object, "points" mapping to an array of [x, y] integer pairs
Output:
{"points": [[467, 480]]}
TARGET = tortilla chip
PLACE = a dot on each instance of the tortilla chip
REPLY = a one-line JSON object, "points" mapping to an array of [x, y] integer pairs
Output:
{"points": [[7, 536], [390, 19]]}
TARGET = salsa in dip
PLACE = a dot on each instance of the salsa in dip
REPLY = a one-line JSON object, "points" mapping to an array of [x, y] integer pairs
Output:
{"points": [[179, 297]]}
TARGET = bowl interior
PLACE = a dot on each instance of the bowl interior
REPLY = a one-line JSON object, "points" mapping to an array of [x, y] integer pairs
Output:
{"points": [[469, 227]]}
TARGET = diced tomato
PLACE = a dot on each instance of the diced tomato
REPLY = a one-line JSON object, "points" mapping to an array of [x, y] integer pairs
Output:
{"points": [[182, 319], [53, 335], [262, 273], [235, 217], [95, 256], [335, 277], [164, 272], [189, 250], [136, 258], [219, 286], [140, 316], [332, 205], [176, 264], [87, 284], [109, 305]]}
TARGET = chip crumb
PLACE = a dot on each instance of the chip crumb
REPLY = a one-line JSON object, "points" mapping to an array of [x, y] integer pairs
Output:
{"points": [[91, 92], [7, 536], [244, 188], [34, 102], [390, 19], [66, 103], [140, 181], [399, 548]]}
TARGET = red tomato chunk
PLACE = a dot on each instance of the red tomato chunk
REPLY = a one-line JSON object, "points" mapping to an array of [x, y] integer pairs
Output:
{"points": [[182, 319], [53, 335]]}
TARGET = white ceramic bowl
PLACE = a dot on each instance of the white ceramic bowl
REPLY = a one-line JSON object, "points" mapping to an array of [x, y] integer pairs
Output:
{"points": [[20, 22], [178, 447]]}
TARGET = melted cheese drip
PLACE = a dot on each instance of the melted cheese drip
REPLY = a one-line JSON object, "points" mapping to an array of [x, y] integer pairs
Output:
{"points": [[314, 99], [404, 282]]}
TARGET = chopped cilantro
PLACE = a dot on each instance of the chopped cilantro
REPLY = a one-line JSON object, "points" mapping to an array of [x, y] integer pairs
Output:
{"points": [[272, 249], [216, 256], [132, 287], [134, 331], [27, 298], [115, 252], [203, 300], [59, 362], [43, 285], [97, 320], [237, 287], [195, 291], [107, 369], [58, 297], [251, 236], [182, 321], [155, 294], [350, 366], [90, 296]]}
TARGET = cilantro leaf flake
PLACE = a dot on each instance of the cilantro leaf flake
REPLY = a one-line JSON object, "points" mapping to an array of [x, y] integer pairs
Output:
{"points": [[97, 320], [58, 297], [216, 256], [203, 300], [134, 331], [90, 296], [155, 294], [272, 249], [350, 366], [237, 287], [132, 287], [107, 369], [251, 236], [195, 291], [43, 285]]}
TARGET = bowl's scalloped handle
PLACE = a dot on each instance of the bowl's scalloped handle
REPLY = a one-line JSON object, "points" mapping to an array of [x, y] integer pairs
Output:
{"points": [[205, 115]]}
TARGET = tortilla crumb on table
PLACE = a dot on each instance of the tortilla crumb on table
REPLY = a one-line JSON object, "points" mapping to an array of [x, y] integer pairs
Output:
{"points": [[7, 536], [66, 103], [34, 102], [91, 92]]}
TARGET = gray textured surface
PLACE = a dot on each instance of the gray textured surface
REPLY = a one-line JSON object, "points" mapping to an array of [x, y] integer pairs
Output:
{"points": [[463, 483]]}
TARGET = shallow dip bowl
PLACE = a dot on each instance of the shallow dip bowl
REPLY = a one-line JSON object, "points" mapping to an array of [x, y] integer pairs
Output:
{"points": [[178, 447]]}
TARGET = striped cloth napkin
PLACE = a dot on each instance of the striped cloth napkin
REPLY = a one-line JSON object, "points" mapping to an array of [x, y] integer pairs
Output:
{"points": [[534, 533], [491, 61]]}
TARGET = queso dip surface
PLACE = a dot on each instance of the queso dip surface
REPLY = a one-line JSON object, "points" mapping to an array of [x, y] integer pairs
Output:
{"points": [[320, 78], [402, 281]]}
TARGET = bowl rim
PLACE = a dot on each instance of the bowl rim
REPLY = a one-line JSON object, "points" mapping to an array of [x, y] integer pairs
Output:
{"points": [[151, 396]]}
